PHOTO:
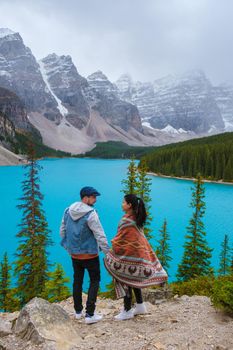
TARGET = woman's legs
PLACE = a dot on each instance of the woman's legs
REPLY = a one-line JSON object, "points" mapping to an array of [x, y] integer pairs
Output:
{"points": [[128, 300], [138, 295], [128, 312]]}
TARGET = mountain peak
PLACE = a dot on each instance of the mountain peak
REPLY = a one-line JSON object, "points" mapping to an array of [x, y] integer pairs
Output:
{"points": [[125, 76], [98, 76], [53, 57], [5, 32]]}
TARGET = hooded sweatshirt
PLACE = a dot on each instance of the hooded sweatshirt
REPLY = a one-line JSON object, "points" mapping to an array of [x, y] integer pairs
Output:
{"points": [[79, 209]]}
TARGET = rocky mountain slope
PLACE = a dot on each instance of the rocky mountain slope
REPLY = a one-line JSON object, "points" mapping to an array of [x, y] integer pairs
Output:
{"points": [[179, 324], [186, 103], [72, 113], [10, 108], [66, 108]]}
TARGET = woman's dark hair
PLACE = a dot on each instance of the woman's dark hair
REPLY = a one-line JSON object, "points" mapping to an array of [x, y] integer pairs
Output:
{"points": [[138, 207]]}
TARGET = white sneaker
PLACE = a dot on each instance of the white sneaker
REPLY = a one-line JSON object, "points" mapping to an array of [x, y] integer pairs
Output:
{"points": [[124, 315], [140, 309], [78, 315], [93, 319]]}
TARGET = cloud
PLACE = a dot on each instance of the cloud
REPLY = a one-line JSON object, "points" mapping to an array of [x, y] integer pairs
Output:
{"points": [[148, 39]]}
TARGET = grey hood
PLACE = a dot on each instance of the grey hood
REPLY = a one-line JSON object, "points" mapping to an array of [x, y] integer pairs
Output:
{"points": [[79, 209]]}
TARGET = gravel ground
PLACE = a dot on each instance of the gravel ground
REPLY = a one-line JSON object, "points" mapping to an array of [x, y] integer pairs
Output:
{"points": [[189, 323]]}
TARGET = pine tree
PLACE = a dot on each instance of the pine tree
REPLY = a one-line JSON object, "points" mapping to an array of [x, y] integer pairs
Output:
{"points": [[225, 257], [31, 266], [8, 302], [163, 250], [55, 288], [197, 254], [144, 184], [130, 184]]}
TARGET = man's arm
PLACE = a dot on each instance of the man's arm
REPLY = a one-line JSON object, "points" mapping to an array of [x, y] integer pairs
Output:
{"points": [[94, 224]]}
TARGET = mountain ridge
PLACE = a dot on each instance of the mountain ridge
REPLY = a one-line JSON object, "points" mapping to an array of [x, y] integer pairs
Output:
{"points": [[72, 112]]}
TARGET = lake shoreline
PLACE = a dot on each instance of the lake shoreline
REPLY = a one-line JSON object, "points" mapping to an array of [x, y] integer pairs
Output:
{"points": [[23, 162], [189, 179]]}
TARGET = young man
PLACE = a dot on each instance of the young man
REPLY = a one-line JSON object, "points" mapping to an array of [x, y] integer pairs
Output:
{"points": [[82, 236]]}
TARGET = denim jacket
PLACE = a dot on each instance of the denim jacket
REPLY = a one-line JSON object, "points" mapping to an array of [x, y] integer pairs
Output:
{"points": [[81, 230]]}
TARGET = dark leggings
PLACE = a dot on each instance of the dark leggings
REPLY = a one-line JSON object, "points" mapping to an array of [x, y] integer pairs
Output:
{"points": [[128, 297]]}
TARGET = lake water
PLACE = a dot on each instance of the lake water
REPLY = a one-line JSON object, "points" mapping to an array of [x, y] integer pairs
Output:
{"points": [[61, 180]]}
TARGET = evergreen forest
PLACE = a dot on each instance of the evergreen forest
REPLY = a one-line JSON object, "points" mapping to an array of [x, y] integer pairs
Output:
{"points": [[212, 157]]}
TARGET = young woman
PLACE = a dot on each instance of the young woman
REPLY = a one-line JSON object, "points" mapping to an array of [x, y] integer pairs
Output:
{"points": [[131, 261]]}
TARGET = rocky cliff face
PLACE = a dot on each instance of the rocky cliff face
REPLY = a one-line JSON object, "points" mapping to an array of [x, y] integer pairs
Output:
{"points": [[20, 72], [12, 107], [66, 86], [185, 103], [114, 110], [223, 95]]}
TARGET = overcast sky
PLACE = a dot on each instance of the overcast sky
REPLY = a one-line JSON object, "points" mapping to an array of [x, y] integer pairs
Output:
{"points": [[146, 38]]}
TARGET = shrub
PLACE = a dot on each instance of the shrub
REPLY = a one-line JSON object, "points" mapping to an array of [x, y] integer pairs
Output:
{"points": [[196, 286], [222, 296]]}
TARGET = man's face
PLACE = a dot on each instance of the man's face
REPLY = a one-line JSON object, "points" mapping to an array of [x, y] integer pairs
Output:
{"points": [[91, 200]]}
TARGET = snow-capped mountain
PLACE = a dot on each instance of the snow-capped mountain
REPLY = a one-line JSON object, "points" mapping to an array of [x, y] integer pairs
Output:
{"points": [[72, 113], [66, 108], [185, 103]]}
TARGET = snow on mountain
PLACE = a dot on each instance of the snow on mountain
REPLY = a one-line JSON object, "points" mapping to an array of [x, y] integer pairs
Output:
{"points": [[61, 108], [5, 32]]}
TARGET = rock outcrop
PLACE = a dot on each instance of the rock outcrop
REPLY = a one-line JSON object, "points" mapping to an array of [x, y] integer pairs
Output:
{"points": [[12, 107], [43, 323]]}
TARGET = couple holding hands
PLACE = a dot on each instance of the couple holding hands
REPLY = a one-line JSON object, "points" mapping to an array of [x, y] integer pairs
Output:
{"points": [[131, 261]]}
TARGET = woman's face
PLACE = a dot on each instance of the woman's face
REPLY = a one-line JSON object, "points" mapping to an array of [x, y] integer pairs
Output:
{"points": [[126, 206]]}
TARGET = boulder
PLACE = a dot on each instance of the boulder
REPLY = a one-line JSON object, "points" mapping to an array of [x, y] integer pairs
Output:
{"points": [[41, 322], [155, 296], [5, 328]]}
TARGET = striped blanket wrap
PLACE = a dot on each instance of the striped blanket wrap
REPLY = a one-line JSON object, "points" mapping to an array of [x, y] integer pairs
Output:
{"points": [[131, 261]]}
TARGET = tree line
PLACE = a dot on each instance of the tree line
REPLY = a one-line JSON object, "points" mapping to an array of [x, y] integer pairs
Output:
{"points": [[212, 157]]}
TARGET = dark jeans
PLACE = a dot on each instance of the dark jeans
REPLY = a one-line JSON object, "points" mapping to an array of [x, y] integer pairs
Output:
{"points": [[93, 268], [128, 298]]}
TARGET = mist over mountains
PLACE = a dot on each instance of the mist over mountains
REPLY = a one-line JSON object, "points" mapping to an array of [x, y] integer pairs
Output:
{"points": [[72, 113]]}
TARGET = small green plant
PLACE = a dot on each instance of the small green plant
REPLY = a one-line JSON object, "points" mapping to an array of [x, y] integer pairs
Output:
{"points": [[55, 288]]}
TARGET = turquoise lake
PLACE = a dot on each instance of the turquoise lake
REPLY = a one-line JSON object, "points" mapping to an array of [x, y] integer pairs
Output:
{"points": [[61, 180]]}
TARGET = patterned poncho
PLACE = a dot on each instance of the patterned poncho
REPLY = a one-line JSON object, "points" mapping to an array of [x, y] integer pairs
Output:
{"points": [[132, 262]]}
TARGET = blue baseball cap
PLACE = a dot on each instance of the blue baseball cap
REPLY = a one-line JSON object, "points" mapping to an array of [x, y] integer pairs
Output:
{"points": [[88, 191]]}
